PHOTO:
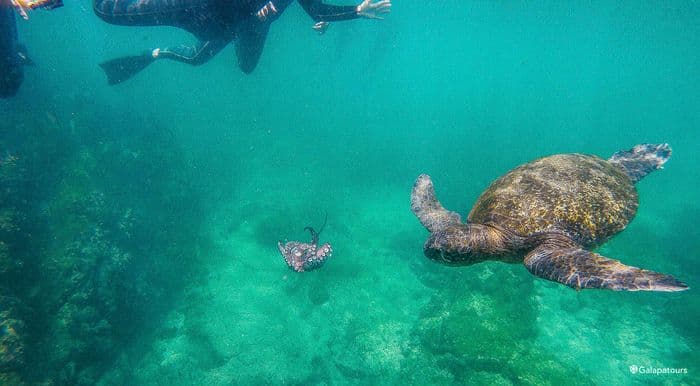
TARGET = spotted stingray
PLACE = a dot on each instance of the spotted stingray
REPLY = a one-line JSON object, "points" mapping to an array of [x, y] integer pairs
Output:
{"points": [[303, 257]]}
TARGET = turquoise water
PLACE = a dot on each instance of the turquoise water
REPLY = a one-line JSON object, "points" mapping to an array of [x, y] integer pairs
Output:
{"points": [[139, 222]]}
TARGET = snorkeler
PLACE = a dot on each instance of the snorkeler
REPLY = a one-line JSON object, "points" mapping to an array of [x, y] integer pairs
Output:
{"points": [[215, 23], [13, 56]]}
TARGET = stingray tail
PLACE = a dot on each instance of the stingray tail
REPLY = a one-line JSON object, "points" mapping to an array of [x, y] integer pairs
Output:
{"points": [[325, 220], [314, 234]]}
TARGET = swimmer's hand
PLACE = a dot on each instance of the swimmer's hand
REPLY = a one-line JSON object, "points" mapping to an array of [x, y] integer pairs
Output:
{"points": [[23, 6], [266, 9], [321, 27], [371, 9]]}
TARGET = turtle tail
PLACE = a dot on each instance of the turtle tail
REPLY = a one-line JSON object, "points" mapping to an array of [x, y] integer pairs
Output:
{"points": [[641, 159], [427, 208]]}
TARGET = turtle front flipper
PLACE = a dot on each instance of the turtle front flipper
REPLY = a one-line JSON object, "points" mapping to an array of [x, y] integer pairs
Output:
{"points": [[427, 208], [567, 263]]}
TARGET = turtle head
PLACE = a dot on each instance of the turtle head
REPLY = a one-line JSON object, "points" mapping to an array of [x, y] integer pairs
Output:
{"points": [[462, 244], [452, 242]]}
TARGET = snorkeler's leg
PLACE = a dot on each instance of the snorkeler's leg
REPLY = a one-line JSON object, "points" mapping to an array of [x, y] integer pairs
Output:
{"points": [[195, 55], [148, 12], [250, 41], [121, 69]]}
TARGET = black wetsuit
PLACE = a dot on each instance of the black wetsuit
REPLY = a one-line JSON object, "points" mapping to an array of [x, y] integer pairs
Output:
{"points": [[11, 71], [215, 23]]}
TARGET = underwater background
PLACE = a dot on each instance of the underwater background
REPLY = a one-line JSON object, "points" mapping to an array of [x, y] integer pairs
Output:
{"points": [[138, 223]]}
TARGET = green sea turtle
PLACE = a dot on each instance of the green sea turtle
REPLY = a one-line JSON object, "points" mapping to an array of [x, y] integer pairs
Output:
{"points": [[548, 214]]}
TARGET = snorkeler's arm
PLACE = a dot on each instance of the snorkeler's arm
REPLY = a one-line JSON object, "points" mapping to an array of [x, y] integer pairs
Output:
{"points": [[324, 12]]}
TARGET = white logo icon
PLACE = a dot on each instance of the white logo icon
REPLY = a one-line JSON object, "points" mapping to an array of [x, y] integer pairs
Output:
{"points": [[634, 369]]}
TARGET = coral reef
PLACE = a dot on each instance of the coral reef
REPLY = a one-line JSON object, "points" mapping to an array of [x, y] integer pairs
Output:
{"points": [[12, 327], [484, 331], [11, 341], [97, 231]]}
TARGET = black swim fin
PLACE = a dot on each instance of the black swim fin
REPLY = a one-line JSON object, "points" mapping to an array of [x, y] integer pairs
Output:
{"points": [[121, 69]]}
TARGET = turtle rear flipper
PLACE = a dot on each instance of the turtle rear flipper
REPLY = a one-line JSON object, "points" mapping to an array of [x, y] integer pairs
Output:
{"points": [[641, 159], [569, 264], [427, 208]]}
